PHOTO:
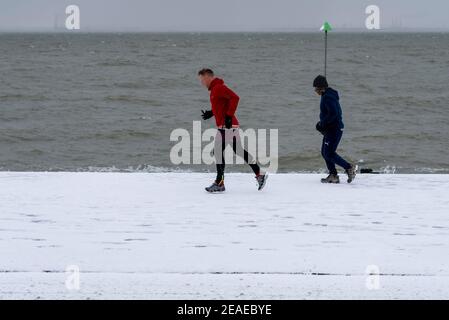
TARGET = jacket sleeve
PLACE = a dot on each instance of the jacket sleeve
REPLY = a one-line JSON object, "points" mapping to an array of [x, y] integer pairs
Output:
{"points": [[331, 115], [232, 97]]}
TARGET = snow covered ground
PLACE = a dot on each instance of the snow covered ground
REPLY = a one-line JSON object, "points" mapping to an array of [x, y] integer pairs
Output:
{"points": [[161, 236]]}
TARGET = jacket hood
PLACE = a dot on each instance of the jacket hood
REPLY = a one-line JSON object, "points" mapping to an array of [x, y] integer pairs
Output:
{"points": [[332, 94], [216, 81]]}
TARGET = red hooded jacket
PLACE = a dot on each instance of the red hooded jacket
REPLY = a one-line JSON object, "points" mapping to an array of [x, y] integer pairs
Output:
{"points": [[224, 102]]}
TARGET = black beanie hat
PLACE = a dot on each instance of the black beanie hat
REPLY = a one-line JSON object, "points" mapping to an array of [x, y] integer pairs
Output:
{"points": [[320, 82]]}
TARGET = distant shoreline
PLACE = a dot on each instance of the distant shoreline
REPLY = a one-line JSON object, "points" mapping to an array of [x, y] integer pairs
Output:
{"points": [[294, 31]]}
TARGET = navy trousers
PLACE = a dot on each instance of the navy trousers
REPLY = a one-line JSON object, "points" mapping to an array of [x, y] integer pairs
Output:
{"points": [[329, 151]]}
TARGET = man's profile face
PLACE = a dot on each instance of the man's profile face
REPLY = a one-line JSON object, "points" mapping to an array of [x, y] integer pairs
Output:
{"points": [[319, 91], [205, 80]]}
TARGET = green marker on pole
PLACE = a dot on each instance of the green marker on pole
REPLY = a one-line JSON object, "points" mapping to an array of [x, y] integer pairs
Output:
{"points": [[325, 27]]}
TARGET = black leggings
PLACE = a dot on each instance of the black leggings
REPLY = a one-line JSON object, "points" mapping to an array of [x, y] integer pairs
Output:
{"points": [[223, 138]]}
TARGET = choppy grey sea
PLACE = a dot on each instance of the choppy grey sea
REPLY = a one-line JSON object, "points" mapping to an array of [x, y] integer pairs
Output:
{"points": [[108, 102]]}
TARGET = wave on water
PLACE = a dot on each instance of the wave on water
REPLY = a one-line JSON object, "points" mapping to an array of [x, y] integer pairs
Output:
{"points": [[118, 63], [23, 97], [133, 99], [126, 93], [136, 169], [114, 135], [160, 169]]}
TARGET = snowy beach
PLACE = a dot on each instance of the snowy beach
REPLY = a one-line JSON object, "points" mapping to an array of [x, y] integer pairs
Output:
{"points": [[161, 236]]}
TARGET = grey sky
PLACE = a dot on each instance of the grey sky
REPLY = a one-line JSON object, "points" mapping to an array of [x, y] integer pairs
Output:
{"points": [[219, 15]]}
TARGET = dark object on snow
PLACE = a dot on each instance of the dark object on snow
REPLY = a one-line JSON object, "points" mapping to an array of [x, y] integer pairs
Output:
{"points": [[368, 171]]}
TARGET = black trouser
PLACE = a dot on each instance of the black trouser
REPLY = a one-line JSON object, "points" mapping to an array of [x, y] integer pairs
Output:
{"points": [[222, 140], [329, 151]]}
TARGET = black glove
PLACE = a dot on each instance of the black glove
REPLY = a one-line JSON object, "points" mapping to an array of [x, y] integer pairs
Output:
{"points": [[206, 114], [228, 122], [319, 128]]}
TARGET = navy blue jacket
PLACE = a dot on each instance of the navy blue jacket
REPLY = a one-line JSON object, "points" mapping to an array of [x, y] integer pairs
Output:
{"points": [[331, 114]]}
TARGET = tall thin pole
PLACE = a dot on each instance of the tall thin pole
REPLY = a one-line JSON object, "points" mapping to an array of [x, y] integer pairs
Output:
{"points": [[326, 27], [325, 53]]}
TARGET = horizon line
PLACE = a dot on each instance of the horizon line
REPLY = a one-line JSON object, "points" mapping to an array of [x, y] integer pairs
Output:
{"points": [[262, 30]]}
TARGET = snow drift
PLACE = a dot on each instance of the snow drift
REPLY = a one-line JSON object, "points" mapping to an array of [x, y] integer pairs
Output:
{"points": [[160, 235]]}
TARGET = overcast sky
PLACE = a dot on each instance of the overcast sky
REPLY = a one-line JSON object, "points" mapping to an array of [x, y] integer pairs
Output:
{"points": [[220, 15]]}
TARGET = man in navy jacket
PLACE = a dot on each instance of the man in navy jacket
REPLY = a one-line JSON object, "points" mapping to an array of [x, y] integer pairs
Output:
{"points": [[331, 126]]}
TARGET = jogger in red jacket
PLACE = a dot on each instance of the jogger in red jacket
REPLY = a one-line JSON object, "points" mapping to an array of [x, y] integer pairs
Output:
{"points": [[224, 104]]}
